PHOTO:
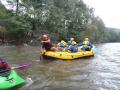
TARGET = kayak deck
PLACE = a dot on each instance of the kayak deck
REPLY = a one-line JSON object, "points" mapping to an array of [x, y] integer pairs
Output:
{"points": [[10, 81]]}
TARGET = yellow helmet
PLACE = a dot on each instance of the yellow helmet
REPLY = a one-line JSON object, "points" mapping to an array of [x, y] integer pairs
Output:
{"points": [[86, 39], [74, 43]]}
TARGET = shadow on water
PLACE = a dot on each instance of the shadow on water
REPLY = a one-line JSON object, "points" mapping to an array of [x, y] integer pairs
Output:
{"points": [[101, 72]]}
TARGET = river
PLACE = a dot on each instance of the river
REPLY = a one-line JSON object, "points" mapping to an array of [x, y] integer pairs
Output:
{"points": [[101, 72]]}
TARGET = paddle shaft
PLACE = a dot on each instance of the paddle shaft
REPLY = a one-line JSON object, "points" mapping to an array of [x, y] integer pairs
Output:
{"points": [[41, 53], [18, 67]]}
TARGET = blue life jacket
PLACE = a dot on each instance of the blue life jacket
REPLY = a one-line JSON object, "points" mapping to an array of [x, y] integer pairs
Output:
{"points": [[66, 49], [69, 43], [74, 49]]}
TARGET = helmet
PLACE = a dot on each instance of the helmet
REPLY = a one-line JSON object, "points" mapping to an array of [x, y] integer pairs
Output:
{"points": [[71, 39], [86, 39], [74, 43], [62, 41], [44, 37]]}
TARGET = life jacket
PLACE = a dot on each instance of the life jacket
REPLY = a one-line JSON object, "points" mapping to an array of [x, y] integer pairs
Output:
{"points": [[74, 49], [86, 43], [69, 43], [62, 44], [4, 67]]}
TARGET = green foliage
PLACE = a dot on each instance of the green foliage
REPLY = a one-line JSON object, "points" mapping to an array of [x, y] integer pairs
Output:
{"points": [[14, 27], [61, 19], [18, 27]]}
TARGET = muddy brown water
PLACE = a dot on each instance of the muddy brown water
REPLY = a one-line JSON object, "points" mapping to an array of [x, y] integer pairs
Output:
{"points": [[101, 72]]}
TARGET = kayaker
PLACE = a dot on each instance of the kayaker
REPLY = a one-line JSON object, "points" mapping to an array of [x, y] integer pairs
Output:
{"points": [[4, 67], [46, 43], [86, 45]]}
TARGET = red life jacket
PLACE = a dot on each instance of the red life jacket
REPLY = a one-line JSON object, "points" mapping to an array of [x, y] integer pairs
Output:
{"points": [[4, 67]]}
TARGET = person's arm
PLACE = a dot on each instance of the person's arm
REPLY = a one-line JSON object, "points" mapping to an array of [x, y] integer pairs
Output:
{"points": [[91, 44], [80, 44]]}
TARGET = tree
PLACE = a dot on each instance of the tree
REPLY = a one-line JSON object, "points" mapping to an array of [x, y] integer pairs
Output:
{"points": [[63, 18]]}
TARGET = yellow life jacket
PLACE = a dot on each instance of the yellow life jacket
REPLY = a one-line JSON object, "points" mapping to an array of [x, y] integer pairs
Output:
{"points": [[85, 42]]}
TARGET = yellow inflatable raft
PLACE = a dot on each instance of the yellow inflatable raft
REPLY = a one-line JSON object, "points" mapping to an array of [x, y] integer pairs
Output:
{"points": [[68, 55]]}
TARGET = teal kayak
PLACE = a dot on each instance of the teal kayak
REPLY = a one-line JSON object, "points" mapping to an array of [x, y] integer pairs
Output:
{"points": [[10, 81]]}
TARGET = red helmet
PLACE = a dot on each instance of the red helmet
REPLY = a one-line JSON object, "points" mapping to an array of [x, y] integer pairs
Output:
{"points": [[44, 37]]}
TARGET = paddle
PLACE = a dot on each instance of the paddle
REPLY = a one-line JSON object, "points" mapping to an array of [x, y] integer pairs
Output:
{"points": [[41, 53], [21, 66], [41, 58]]}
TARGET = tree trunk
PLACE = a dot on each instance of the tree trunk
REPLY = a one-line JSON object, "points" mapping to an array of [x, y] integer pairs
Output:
{"points": [[17, 6]]}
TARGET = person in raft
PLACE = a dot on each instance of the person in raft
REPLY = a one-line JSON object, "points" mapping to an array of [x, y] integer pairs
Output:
{"points": [[62, 45], [86, 45], [46, 43], [74, 47], [71, 41], [4, 67]]}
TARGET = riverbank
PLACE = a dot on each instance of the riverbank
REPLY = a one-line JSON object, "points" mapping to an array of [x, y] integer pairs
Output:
{"points": [[15, 42]]}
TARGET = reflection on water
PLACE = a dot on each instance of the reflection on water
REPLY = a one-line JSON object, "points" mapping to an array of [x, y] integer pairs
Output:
{"points": [[101, 72]]}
